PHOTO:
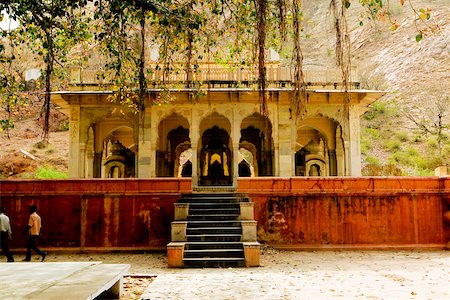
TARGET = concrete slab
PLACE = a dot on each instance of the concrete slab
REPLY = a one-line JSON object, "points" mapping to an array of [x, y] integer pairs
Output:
{"points": [[60, 280]]}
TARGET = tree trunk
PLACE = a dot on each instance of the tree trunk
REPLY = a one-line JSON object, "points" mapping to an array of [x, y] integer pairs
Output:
{"points": [[49, 58], [142, 81]]}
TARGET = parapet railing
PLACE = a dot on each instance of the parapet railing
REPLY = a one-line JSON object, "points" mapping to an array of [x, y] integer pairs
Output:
{"points": [[215, 75]]}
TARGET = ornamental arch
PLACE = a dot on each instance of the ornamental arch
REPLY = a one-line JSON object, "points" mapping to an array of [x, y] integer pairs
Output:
{"points": [[215, 151], [256, 137], [111, 150], [173, 140], [315, 148]]}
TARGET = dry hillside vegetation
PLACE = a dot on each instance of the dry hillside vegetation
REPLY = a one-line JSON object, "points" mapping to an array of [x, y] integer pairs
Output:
{"points": [[416, 76], [24, 156]]}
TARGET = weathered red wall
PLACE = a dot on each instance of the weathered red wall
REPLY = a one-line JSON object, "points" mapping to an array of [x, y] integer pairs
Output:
{"points": [[136, 213], [93, 213], [380, 211]]}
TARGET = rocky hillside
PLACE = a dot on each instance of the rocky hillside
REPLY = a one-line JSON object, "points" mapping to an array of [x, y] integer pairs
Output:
{"points": [[398, 137], [398, 134]]}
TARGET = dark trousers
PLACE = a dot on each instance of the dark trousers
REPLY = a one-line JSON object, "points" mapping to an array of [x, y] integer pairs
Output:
{"points": [[4, 243], [32, 245]]}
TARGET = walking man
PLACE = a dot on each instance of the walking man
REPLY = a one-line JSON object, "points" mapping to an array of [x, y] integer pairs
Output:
{"points": [[34, 228], [5, 234]]}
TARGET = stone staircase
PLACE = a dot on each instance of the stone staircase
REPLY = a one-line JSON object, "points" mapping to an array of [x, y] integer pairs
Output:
{"points": [[213, 230]]}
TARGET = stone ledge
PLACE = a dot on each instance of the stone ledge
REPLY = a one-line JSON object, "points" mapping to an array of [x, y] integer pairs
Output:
{"points": [[178, 231], [175, 253], [252, 254]]}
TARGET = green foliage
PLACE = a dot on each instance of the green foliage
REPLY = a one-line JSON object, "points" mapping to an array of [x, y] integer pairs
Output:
{"points": [[409, 158], [417, 138], [50, 29], [12, 89], [417, 163], [366, 145], [5, 124], [432, 142], [392, 145], [377, 109], [373, 133], [48, 172], [372, 160], [402, 136], [64, 126], [419, 37]]}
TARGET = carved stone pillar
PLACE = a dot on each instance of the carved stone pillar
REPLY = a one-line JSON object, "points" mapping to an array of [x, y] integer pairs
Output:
{"points": [[333, 162], [98, 165]]}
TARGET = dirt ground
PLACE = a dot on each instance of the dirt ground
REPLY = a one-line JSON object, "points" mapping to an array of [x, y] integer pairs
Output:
{"points": [[288, 275]]}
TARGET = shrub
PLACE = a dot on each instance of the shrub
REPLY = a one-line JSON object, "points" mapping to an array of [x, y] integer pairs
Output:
{"points": [[372, 133], [423, 172], [378, 109], [63, 126], [432, 143], [417, 138], [366, 145], [402, 136], [392, 145], [372, 160], [48, 172]]}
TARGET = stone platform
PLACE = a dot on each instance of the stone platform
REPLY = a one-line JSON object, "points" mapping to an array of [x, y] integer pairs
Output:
{"points": [[61, 280]]}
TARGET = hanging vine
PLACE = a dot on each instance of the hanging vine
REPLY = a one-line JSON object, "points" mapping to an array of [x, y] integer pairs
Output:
{"points": [[299, 99], [261, 11], [282, 22], [342, 44]]}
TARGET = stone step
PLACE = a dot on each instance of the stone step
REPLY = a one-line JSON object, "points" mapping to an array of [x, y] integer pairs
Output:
{"points": [[214, 238], [213, 194], [213, 233], [213, 217], [213, 245], [206, 253], [214, 230], [214, 262], [213, 204], [214, 200], [213, 211], [215, 223]]}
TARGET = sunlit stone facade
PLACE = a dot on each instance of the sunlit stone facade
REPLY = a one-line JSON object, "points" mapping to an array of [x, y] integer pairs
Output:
{"points": [[214, 137]]}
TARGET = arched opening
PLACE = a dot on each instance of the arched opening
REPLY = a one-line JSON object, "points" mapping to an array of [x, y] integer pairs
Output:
{"points": [[316, 147], [256, 136], [115, 172], [314, 170], [173, 139], [300, 162], [115, 154], [187, 170], [244, 169], [215, 157]]}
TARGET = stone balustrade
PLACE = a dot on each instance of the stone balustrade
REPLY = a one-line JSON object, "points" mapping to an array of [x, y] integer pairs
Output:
{"points": [[211, 74]]}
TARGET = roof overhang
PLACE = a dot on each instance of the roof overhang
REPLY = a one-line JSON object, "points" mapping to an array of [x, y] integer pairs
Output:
{"points": [[363, 97]]}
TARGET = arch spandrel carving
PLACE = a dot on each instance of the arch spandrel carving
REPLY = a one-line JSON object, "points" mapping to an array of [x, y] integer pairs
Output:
{"points": [[181, 112], [330, 112], [214, 119]]}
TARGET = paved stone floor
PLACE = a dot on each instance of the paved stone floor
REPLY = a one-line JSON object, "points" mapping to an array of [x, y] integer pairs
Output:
{"points": [[315, 275], [294, 275]]}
